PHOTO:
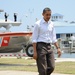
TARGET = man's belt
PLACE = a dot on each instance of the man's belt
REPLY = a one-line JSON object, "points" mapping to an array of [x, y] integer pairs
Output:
{"points": [[43, 43]]}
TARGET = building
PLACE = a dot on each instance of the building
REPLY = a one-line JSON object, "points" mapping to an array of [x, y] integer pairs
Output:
{"points": [[65, 32]]}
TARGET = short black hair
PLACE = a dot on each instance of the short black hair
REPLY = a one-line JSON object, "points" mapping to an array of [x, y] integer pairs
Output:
{"points": [[46, 9]]}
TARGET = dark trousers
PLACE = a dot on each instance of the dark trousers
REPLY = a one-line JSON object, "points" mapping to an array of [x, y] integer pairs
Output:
{"points": [[45, 60]]}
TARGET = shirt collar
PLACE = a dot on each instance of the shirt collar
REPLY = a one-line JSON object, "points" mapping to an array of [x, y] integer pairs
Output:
{"points": [[43, 21]]}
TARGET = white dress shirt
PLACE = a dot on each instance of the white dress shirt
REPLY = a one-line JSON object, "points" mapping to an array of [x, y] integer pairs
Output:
{"points": [[44, 32]]}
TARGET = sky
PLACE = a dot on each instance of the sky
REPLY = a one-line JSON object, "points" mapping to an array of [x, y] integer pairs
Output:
{"points": [[28, 10]]}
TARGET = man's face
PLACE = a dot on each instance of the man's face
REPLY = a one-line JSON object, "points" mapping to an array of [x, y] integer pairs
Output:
{"points": [[47, 15]]}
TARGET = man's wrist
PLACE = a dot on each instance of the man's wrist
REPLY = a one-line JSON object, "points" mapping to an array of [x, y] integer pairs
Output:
{"points": [[57, 47], [34, 51]]}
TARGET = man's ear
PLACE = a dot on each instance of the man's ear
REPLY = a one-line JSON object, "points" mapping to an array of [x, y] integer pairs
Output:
{"points": [[42, 14]]}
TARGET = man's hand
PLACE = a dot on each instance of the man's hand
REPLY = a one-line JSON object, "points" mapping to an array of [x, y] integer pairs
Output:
{"points": [[35, 51], [59, 52], [35, 55]]}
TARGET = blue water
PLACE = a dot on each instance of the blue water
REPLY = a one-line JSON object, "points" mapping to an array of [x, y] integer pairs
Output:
{"points": [[67, 55]]}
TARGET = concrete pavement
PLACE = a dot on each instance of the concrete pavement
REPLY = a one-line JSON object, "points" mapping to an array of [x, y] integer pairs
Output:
{"points": [[23, 73], [65, 59], [57, 59]]}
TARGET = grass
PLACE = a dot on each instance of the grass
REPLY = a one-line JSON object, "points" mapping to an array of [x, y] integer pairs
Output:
{"points": [[27, 65], [17, 64], [65, 67]]}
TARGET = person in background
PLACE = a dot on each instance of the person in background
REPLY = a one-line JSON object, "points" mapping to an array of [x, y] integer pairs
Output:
{"points": [[15, 17], [6, 16]]}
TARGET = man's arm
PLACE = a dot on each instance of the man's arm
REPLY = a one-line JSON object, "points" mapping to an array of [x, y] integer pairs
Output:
{"points": [[58, 49], [35, 51], [34, 40], [54, 40]]}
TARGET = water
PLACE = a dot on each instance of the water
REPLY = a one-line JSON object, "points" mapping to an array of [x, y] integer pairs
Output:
{"points": [[67, 55]]}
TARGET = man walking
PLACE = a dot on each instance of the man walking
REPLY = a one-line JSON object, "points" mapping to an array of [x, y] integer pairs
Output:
{"points": [[43, 35]]}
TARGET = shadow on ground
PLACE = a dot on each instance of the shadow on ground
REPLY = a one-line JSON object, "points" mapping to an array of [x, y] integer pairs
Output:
{"points": [[3, 64]]}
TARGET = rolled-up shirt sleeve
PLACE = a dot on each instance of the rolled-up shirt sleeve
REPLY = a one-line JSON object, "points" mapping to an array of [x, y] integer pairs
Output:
{"points": [[35, 33], [54, 36]]}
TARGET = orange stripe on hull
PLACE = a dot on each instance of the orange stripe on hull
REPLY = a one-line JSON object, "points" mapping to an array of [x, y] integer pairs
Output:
{"points": [[16, 34]]}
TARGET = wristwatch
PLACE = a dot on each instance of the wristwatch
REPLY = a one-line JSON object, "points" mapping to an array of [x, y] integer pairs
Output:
{"points": [[58, 47]]}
